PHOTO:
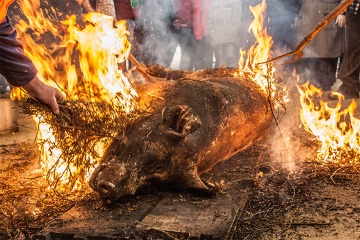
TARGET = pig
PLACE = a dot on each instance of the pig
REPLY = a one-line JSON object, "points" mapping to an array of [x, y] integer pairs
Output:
{"points": [[187, 126]]}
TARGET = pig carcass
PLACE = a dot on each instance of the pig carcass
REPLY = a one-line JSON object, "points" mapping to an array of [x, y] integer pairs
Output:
{"points": [[187, 127]]}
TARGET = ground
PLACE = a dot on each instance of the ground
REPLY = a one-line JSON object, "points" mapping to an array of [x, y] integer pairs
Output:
{"points": [[274, 190]]}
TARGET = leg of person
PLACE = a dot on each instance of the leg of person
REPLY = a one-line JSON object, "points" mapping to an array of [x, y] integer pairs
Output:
{"points": [[187, 42], [326, 72], [232, 55], [203, 54], [166, 49], [219, 55], [130, 25], [350, 66]]}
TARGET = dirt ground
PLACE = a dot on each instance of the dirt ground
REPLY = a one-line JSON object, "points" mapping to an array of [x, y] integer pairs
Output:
{"points": [[290, 194]]}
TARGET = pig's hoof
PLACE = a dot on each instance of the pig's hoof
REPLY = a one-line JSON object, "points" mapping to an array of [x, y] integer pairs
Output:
{"points": [[209, 190]]}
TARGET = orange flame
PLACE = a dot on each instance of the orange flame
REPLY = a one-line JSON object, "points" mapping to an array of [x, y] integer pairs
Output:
{"points": [[95, 77], [336, 128], [262, 74]]}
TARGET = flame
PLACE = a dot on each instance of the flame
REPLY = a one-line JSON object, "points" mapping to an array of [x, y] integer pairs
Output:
{"points": [[98, 47], [335, 128], [262, 74]]}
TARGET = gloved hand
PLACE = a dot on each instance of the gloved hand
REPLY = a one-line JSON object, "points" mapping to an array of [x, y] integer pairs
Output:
{"points": [[341, 20]]}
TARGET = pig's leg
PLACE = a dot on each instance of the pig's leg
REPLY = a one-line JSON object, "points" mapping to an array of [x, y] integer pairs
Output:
{"points": [[191, 181]]}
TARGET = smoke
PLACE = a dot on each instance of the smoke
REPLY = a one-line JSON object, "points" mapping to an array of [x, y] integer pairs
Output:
{"points": [[283, 148], [155, 39], [280, 16]]}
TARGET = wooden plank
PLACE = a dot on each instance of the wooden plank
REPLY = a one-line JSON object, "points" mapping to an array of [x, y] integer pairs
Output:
{"points": [[95, 222], [184, 217]]}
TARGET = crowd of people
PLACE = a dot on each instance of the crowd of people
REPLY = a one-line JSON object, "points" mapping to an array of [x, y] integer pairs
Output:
{"points": [[210, 34]]}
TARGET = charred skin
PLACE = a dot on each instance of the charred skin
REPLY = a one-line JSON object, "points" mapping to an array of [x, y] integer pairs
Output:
{"points": [[191, 125]]}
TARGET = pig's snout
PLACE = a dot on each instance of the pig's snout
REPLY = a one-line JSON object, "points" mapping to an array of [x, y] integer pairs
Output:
{"points": [[107, 191]]}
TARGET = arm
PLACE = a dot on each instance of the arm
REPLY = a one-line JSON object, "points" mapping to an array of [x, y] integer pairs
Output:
{"points": [[19, 70]]}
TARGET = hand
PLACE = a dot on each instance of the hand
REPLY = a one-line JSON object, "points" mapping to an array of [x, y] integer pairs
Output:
{"points": [[177, 24], [341, 20], [46, 94]]}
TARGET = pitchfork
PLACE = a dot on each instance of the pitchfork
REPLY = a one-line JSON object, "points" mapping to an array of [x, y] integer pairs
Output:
{"points": [[298, 50]]}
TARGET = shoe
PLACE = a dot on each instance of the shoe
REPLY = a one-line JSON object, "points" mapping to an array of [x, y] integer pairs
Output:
{"points": [[346, 94]]}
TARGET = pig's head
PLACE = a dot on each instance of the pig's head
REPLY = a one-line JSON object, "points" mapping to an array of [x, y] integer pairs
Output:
{"points": [[145, 153]]}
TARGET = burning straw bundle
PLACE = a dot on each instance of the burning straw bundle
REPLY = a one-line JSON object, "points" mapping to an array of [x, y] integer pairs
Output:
{"points": [[77, 137]]}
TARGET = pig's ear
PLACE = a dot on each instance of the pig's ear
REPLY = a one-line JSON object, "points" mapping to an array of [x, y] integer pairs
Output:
{"points": [[181, 119]]}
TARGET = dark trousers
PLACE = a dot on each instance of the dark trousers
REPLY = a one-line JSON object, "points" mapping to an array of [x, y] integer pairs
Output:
{"points": [[203, 54], [320, 72], [227, 55], [187, 43], [350, 66]]}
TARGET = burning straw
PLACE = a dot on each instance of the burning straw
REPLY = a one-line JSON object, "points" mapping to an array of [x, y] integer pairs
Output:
{"points": [[336, 128], [78, 137]]}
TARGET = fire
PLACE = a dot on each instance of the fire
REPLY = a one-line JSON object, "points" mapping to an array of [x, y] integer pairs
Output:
{"points": [[83, 64], [336, 128], [262, 74]]}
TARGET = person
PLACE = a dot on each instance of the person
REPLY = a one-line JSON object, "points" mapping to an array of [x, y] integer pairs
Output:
{"points": [[320, 60], [191, 24], [350, 66], [225, 40], [17, 68]]}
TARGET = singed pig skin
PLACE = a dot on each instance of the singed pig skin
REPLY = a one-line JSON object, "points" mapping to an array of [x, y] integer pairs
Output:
{"points": [[188, 127]]}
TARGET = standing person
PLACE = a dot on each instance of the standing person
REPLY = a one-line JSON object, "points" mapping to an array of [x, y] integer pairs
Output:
{"points": [[226, 40], [350, 67], [18, 69], [319, 62], [191, 25]]}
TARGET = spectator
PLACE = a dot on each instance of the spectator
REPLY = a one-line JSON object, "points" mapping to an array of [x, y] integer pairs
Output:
{"points": [[319, 62], [350, 66], [17, 68], [225, 27]]}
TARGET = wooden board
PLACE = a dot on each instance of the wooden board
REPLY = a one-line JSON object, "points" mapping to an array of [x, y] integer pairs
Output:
{"points": [[211, 218]]}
